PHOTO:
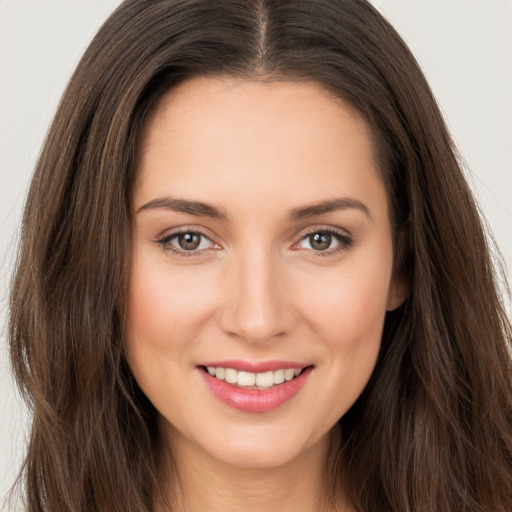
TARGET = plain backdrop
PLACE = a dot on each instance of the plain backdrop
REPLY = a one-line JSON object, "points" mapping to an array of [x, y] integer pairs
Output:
{"points": [[464, 47]]}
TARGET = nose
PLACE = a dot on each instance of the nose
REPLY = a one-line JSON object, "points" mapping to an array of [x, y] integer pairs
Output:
{"points": [[256, 304]]}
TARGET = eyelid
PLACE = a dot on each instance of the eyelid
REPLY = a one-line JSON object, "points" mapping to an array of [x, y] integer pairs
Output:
{"points": [[344, 238], [164, 240], [326, 228]]}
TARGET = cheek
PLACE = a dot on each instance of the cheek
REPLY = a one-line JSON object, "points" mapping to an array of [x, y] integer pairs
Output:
{"points": [[348, 307], [347, 319], [346, 312], [166, 308]]}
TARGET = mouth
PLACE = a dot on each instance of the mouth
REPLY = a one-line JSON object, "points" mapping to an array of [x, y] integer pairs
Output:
{"points": [[251, 380], [267, 387]]}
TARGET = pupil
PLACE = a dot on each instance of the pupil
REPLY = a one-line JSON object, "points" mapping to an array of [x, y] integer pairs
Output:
{"points": [[189, 241], [320, 241]]}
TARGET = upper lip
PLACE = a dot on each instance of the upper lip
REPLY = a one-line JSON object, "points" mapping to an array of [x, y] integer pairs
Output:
{"points": [[253, 367]]}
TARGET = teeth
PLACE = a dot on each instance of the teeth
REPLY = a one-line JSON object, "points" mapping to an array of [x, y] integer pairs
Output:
{"points": [[289, 374], [253, 380], [278, 376], [231, 376], [246, 379], [264, 380]]}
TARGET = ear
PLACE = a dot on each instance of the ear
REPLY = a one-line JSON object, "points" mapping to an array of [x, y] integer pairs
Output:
{"points": [[399, 286], [397, 292]]}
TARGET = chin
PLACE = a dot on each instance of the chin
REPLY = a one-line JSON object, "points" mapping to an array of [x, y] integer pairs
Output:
{"points": [[266, 446]]}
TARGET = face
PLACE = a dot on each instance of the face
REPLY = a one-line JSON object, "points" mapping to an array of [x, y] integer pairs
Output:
{"points": [[262, 267]]}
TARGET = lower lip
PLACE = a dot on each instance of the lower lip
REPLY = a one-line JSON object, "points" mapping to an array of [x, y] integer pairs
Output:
{"points": [[256, 400]]}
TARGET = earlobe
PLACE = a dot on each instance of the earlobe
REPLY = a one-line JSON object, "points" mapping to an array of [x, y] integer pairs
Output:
{"points": [[397, 293], [399, 285]]}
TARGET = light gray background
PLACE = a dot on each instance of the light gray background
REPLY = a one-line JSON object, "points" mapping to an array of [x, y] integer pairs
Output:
{"points": [[464, 47]]}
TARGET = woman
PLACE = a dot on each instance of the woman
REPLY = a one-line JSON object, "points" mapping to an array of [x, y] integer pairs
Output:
{"points": [[252, 275]]}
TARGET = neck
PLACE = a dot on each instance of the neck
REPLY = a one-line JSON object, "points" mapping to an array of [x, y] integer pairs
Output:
{"points": [[208, 484]]}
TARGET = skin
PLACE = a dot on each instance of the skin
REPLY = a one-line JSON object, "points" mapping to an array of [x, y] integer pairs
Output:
{"points": [[256, 288]]}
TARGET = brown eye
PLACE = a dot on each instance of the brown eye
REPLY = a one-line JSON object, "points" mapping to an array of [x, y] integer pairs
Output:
{"points": [[325, 242], [320, 241], [189, 241]]}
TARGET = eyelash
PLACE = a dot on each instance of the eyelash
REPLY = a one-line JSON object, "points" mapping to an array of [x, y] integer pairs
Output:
{"points": [[344, 240], [165, 242]]}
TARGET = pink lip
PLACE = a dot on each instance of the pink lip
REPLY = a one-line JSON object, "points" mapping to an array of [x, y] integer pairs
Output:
{"points": [[255, 400], [247, 366]]}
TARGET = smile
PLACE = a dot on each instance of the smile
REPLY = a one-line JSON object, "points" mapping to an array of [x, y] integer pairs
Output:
{"points": [[251, 380], [267, 387]]}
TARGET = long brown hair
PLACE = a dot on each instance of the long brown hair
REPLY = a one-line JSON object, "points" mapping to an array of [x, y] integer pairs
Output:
{"points": [[433, 429]]}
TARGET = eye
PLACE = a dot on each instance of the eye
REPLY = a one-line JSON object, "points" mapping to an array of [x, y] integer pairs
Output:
{"points": [[186, 242], [325, 241]]}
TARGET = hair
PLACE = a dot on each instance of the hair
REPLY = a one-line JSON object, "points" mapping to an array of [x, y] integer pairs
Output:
{"points": [[432, 431]]}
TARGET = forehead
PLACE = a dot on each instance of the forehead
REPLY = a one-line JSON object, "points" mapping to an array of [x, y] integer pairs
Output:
{"points": [[196, 100], [278, 138]]}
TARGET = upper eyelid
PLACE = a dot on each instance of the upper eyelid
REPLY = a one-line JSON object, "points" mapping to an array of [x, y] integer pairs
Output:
{"points": [[172, 232], [164, 241], [345, 239], [303, 233], [326, 229]]}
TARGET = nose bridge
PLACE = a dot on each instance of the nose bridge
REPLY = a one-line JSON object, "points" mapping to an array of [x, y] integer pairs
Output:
{"points": [[256, 306]]}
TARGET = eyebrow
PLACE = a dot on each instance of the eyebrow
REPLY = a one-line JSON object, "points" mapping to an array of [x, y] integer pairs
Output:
{"points": [[184, 206], [201, 209], [331, 205]]}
